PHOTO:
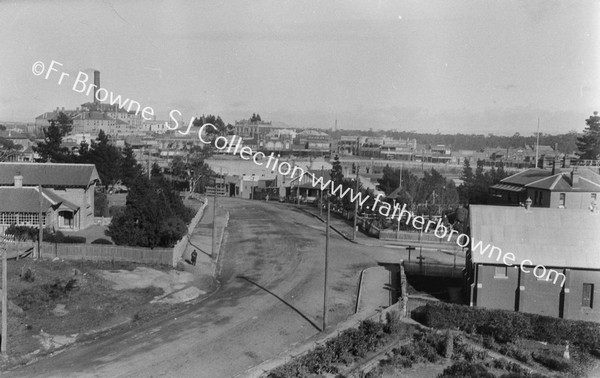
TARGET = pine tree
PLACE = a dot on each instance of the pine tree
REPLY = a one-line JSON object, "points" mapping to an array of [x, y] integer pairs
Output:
{"points": [[50, 150], [589, 143], [337, 177], [130, 168]]}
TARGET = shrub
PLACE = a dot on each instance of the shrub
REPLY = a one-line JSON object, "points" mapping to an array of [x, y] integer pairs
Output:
{"points": [[102, 241], [27, 276], [44, 293], [59, 237], [22, 232], [116, 210], [505, 326], [466, 370], [551, 362]]}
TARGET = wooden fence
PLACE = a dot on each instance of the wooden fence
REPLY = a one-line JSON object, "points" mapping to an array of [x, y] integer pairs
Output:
{"points": [[102, 252]]}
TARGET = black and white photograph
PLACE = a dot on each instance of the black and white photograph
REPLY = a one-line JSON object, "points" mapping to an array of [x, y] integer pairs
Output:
{"points": [[290, 189]]}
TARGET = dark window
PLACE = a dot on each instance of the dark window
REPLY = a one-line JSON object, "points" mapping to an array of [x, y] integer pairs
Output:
{"points": [[588, 295], [594, 196], [561, 201]]}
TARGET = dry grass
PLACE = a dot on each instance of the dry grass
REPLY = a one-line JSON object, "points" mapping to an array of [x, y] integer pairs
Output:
{"points": [[89, 301]]}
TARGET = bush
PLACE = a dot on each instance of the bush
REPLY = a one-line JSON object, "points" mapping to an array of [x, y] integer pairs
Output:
{"points": [[59, 237], [44, 293], [506, 326], [552, 363], [102, 241], [466, 370], [22, 232], [116, 210], [27, 276]]}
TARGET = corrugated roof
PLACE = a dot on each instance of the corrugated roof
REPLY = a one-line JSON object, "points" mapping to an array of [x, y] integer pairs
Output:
{"points": [[49, 174], [546, 236], [511, 188]]}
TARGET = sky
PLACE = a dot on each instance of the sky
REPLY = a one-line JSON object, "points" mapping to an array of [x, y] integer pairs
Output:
{"points": [[445, 66]]}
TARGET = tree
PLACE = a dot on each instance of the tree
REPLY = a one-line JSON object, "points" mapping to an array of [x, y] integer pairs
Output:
{"points": [[467, 173], [106, 158], [589, 143], [130, 168], [8, 149], [337, 177], [50, 150], [65, 123], [154, 215]]}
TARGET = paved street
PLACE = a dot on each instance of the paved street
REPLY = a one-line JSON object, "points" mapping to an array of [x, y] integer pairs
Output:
{"points": [[270, 300]]}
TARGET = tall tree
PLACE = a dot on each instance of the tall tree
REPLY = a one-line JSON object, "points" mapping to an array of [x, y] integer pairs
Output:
{"points": [[337, 177], [50, 150], [154, 215], [106, 158], [589, 143], [64, 122], [130, 168]]}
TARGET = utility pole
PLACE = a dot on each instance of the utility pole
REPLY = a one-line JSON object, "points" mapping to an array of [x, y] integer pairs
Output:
{"points": [[537, 143], [214, 228], [326, 267], [321, 202], [41, 223], [355, 206], [4, 251], [149, 173]]}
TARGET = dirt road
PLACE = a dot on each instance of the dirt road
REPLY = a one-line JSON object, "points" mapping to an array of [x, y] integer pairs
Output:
{"points": [[270, 300]]}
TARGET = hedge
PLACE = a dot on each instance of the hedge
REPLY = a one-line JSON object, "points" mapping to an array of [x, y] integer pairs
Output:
{"points": [[506, 326]]}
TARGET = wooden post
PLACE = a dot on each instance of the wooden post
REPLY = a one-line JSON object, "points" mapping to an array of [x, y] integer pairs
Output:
{"points": [[41, 223], [355, 207], [326, 267], [4, 299]]}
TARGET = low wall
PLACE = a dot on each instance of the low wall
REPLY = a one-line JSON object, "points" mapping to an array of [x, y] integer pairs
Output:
{"points": [[181, 245]]}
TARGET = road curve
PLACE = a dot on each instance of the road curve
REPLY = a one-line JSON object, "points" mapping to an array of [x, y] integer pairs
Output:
{"points": [[270, 300]]}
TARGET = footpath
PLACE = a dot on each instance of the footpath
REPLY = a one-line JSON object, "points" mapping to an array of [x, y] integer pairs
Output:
{"points": [[207, 261], [390, 251]]}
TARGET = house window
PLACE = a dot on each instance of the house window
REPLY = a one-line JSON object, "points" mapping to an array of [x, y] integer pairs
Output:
{"points": [[501, 272], [588, 295], [593, 196], [561, 200]]}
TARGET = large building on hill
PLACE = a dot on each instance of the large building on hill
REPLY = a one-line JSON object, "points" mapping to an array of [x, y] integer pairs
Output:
{"points": [[540, 250], [67, 195]]}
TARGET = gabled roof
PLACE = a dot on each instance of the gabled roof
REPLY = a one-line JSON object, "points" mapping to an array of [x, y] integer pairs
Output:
{"points": [[26, 200], [49, 174], [546, 236]]}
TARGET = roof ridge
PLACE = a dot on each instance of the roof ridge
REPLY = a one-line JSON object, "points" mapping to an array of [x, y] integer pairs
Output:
{"points": [[560, 176], [542, 179]]}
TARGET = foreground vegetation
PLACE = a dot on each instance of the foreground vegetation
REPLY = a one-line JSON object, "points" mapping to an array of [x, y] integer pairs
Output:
{"points": [[462, 342]]}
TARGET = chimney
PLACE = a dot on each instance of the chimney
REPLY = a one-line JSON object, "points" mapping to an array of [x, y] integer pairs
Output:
{"points": [[18, 181], [566, 162], [553, 167], [97, 85], [574, 179]]}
